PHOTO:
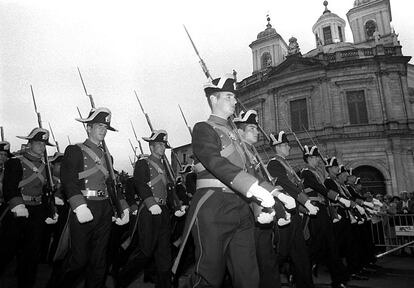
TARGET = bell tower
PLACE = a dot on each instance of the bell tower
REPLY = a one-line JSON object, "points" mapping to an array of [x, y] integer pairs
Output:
{"points": [[370, 22], [269, 49]]}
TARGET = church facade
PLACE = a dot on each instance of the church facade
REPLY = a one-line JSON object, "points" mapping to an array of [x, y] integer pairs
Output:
{"points": [[354, 100]]}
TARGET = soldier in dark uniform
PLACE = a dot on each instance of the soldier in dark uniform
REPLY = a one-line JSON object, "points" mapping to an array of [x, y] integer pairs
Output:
{"points": [[220, 219], [291, 238], [84, 174], [24, 181], [4, 156], [343, 229], [156, 190], [264, 226], [323, 249]]}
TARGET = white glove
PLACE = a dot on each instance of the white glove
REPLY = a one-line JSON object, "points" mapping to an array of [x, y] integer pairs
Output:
{"points": [[360, 209], [59, 201], [83, 213], [125, 218], [155, 209], [313, 210], [180, 212], [20, 211], [284, 221], [265, 218], [377, 202], [335, 220], [52, 220], [368, 204], [262, 195], [288, 201], [345, 202]]}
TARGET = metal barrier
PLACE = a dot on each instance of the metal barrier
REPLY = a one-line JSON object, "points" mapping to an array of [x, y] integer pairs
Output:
{"points": [[393, 232]]}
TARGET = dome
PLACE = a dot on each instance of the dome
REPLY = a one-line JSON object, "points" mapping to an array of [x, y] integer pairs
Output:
{"points": [[268, 31], [327, 14]]}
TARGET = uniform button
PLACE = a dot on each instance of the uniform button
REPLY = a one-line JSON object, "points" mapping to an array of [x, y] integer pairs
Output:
{"points": [[86, 166], [86, 180]]}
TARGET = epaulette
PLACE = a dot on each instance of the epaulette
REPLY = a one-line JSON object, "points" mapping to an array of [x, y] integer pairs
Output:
{"points": [[143, 157]]}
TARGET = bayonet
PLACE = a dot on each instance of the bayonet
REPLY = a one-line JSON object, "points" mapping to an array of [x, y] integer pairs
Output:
{"points": [[54, 139], [185, 120]]}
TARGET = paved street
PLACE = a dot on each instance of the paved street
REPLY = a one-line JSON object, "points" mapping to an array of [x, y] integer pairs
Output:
{"points": [[397, 271]]}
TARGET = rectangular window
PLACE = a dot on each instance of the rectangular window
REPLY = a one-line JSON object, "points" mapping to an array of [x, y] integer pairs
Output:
{"points": [[357, 107], [341, 38], [299, 115], [327, 35]]}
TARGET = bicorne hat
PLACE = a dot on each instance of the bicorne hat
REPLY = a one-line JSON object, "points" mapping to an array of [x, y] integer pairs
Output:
{"points": [[249, 117], [222, 84], [330, 162], [278, 139], [312, 151], [5, 146], [158, 136], [99, 115], [57, 157], [186, 169], [38, 134]]}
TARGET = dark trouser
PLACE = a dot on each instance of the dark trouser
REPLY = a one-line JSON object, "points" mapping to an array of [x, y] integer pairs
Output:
{"points": [[323, 248], [22, 237], [347, 242], [89, 241], [266, 257], [292, 245], [154, 232], [223, 234]]}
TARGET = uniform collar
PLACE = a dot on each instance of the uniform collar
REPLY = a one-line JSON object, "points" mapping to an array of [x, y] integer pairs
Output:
{"points": [[155, 159], [32, 157], [218, 120], [90, 144]]}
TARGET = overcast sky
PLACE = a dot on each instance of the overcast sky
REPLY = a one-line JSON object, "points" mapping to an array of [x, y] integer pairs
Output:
{"points": [[122, 46]]}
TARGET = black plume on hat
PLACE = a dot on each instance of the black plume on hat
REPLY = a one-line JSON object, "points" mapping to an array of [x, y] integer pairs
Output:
{"points": [[224, 83], [249, 117], [38, 134], [158, 136], [313, 151], [281, 138], [330, 162], [99, 115], [5, 146]]}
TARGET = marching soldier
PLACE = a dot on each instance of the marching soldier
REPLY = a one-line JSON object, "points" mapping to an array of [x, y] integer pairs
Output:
{"points": [[322, 242], [291, 238], [154, 227], [220, 219], [84, 174], [266, 255], [4, 156], [343, 229], [24, 183]]}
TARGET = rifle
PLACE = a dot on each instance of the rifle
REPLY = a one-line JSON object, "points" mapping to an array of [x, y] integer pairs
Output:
{"points": [[69, 141], [80, 115], [54, 139], [50, 189], [203, 65], [112, 182], [170, 171], [185, 120], [294, 134], [313, 142], [136, 138], [130, 160], [2, 133], [134, 149]]}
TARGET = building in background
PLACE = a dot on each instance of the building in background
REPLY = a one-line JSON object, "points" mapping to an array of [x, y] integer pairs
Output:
{"points": [[355, 100]]}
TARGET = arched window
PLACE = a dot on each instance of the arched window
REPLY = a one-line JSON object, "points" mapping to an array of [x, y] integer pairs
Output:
{"points": [[370, 28], [266, 60], [372, 179]]}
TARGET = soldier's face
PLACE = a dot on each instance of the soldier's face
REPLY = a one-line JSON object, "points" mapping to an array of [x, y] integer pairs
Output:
{"points": [[283, 149], [38, 147], [251, 133], [224, 103], [158, 149], [313, 161], [97, 132]]}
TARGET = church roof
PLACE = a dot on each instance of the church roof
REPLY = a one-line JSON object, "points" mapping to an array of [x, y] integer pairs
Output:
{"points": [[269, 31]]}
